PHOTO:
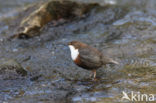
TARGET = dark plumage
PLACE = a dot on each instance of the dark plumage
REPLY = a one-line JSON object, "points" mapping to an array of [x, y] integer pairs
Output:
{"points": [[88, 57]]}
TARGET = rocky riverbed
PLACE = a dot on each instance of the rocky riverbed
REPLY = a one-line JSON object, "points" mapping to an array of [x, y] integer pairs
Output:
{"points": [[122, 29]]}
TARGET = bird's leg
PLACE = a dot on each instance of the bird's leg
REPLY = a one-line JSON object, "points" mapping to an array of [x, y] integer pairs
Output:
{"points": [[94, 74]]}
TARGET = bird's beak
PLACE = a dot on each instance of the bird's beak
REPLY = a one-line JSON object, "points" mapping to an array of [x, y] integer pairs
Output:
{"points": [[69, 43]]}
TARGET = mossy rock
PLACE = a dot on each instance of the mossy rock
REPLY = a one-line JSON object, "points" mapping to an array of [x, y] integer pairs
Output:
{"points": [[52, 11]]}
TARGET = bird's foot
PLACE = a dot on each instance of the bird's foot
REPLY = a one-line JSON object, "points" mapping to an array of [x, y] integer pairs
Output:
{"points": [[95, 79]]}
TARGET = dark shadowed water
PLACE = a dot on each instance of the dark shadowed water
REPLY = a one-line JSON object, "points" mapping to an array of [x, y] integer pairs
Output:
{"points": [[125, 30]]}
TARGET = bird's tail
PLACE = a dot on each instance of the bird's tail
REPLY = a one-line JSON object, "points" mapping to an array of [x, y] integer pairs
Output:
{"points": [[107, 60], [114, 62]]}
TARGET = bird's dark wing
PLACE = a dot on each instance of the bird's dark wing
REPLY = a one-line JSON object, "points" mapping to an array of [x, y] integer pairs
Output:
{"points": [[90, 58]]}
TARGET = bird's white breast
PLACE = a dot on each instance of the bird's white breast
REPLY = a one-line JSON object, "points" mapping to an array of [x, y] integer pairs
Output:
{"points": [[74, 52]]}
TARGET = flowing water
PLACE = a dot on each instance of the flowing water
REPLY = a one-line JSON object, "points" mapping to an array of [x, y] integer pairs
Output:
{"points": [[124, 29]]}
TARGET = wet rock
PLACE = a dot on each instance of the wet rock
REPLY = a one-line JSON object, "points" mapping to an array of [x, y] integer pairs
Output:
{"points": [[10, 69], [55, 11]]}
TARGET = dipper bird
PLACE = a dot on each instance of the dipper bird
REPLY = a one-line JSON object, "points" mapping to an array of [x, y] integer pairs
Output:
{"points": [[88, 57]]}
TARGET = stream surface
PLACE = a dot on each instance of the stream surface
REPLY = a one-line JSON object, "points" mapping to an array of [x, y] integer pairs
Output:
{"points": [[124, 29]]}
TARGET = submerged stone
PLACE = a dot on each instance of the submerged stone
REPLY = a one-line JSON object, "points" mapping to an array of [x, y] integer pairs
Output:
{"points": [[11, 67]]}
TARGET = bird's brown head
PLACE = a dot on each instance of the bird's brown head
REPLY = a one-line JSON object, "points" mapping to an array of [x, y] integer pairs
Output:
{"points": [[76, 44]]}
